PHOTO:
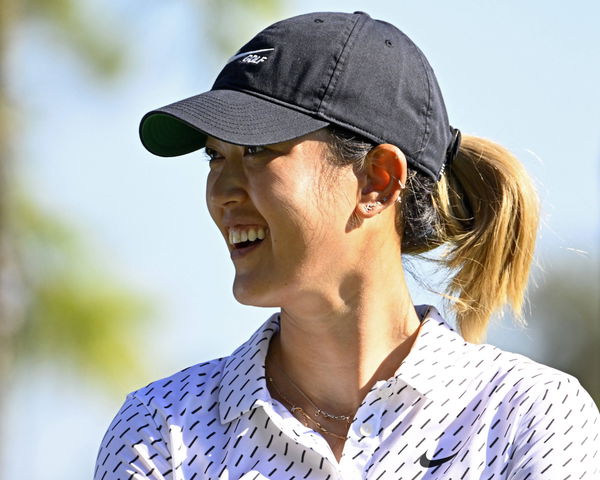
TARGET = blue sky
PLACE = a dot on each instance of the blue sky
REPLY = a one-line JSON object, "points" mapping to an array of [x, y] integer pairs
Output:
{"points": [[525, 74]]}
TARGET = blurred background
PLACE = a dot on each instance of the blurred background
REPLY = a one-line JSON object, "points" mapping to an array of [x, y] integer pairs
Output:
{"points": [[111, 273]]}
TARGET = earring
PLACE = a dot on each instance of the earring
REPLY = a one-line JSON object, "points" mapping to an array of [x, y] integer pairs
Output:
{"points": [[402, 185], [386, 198]]}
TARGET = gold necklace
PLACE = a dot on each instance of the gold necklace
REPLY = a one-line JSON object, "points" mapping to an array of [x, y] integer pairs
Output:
{"points": [[319, 412], [306, 416]]}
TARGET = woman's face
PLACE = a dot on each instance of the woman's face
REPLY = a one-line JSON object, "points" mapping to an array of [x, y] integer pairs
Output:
{"points": [[284, 214]]}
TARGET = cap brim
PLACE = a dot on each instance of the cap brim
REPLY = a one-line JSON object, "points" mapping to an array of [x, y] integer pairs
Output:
{"points": [[232, 116]]}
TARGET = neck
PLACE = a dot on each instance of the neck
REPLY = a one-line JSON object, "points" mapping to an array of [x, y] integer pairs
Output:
{"points": [[336, 353]]}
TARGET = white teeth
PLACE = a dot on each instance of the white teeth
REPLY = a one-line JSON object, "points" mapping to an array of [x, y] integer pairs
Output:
{"points": [[243, 234]]}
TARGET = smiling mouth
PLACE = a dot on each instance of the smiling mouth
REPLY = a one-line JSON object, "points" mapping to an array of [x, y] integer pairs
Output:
{"points": [[247, 236], [246, 244]]}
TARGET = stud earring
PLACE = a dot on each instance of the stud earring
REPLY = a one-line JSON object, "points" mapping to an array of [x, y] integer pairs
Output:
{"points": [[387, 197]]}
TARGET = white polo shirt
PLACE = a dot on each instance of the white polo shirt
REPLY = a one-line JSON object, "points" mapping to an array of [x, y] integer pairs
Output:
{"points": [[453, 410]]}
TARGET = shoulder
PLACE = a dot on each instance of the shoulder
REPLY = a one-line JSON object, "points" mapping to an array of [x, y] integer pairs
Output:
{"points": [[200, 381], [558, 431], [142, 433], [158, 424], [485, 368], [504, 381], [539, 387], [552, 420], [522, 379], [464, 370], [556, 423], [510, 366]]}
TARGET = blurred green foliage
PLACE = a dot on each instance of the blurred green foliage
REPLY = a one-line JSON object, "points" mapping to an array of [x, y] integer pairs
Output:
{"points": [[58, 306], [567, 313], [75, 312], [61, 307]]}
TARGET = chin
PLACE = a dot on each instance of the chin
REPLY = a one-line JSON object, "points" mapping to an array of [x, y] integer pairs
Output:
{"points": [[253, 296]]}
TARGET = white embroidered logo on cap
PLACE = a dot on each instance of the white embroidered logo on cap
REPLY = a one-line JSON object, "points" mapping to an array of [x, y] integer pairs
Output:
{"points": [[254, 59], [251, 57]]}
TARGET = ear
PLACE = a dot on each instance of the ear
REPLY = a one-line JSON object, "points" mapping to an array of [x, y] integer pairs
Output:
{"points": [[383, 181]]}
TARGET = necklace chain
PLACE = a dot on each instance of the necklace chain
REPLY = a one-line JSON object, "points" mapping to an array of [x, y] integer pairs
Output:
{"points": [[319, 411], [306, 416]]}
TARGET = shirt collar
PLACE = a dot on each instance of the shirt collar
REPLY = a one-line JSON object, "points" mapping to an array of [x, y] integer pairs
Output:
{"points": [[438, 364], [243, 386], [436, 367]]}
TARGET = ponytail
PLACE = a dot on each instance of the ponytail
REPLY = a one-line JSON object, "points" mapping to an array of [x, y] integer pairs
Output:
{"points": [[488, 211], [484, 209]]}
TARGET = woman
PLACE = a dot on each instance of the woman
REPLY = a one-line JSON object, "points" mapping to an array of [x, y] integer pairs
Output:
{"points": [[331, 155]]}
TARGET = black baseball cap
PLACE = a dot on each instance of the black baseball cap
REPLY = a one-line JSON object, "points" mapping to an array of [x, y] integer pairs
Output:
{"points": [[308, 72]]}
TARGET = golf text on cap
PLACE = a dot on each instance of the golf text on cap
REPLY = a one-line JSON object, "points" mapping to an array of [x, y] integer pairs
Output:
{"points": [[251, 57]]}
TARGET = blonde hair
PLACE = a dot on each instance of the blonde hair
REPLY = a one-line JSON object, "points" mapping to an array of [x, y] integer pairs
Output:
{"points": [[488, 217], [484, 210]]}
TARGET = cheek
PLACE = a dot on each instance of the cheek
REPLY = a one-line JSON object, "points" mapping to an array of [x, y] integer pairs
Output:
{"points": [[212, 210], [316, 209], [337, 199]]}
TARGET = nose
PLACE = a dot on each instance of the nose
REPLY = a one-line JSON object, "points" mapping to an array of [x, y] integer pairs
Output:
{"points": [[226, 183]]}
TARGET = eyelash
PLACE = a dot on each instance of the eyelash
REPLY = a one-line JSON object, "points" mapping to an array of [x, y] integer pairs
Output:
{"points": [[210, 153], [249, 150]]}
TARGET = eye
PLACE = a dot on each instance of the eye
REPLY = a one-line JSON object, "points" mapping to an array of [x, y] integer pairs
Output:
{"points": [[254, 149], [211, 154]]}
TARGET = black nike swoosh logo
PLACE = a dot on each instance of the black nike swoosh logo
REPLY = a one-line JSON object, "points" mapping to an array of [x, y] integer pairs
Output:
{"points": [[425, 462]]}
